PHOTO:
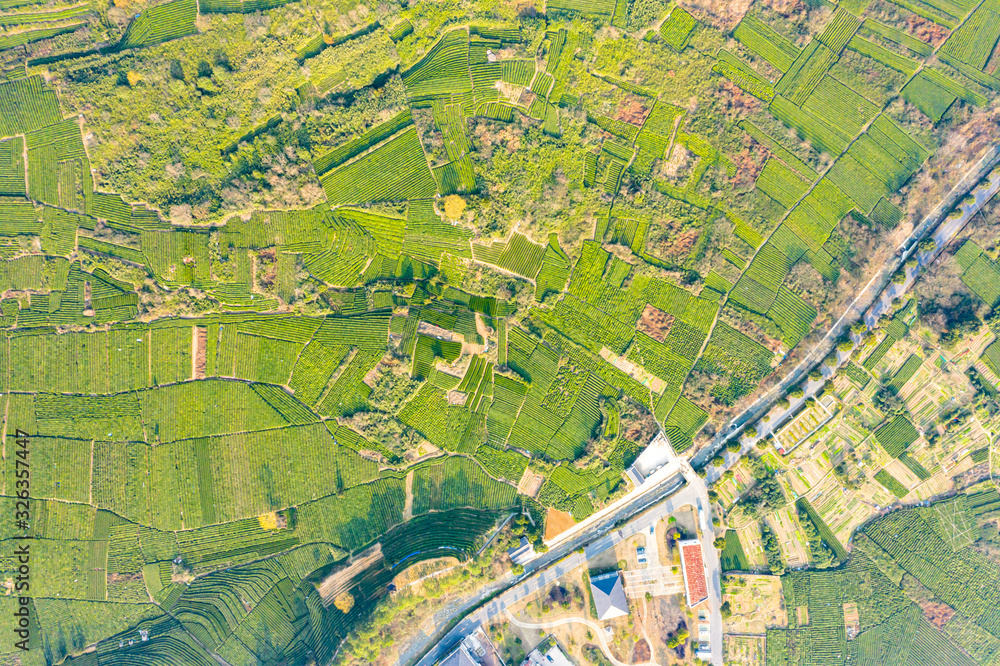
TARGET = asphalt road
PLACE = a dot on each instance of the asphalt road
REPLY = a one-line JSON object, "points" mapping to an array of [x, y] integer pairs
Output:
{"points": [[546, 568], [871, 303], [689, 494]]}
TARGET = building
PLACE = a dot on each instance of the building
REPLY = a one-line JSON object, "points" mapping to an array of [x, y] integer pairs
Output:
{"points": [[609, 596], [460, 656], [523, 552], [476, 649], [651, 460], [693, 566], [548, 653]]}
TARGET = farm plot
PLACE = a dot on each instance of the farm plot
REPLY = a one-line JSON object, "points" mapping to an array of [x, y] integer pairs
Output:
{"points": [[766, 43], [799, 428]]}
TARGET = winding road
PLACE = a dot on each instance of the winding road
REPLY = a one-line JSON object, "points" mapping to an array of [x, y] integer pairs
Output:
{"points": [[643, 506], [667, 492], [598, 633]]}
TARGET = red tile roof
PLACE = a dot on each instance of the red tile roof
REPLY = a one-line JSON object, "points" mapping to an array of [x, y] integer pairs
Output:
{"points": [[694, 573]]}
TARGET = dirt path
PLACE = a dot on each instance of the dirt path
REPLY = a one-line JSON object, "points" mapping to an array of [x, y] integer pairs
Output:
{"points": [[340, 580], [408, 508], [597, 629]]}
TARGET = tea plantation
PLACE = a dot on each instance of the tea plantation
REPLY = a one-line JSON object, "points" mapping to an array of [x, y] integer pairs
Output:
{"points": [[285, 284]]}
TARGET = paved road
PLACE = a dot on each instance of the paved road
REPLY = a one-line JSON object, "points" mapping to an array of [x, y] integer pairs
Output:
{"points": [[546, 568], [597, 630], [599, 536], [871, 302], [680, 492]]}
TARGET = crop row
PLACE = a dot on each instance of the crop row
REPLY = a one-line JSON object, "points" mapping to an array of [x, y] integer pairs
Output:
{"points": [[765, 42], [896, 436], [839, 30]]}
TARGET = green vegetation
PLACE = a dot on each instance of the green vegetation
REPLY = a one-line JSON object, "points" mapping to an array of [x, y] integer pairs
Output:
{"points": [[896, 435], [732, 557], [285, 281], [890, 625]]}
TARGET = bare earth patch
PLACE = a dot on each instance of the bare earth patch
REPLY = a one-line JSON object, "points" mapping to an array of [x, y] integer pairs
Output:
{"points": [[631, 110], [457, 398], [723, 14], [435, 331], [408, 506], [530, 483], [634, 371], [641, 652], [852, 620], [340, 580], [200, 339], [557, 522], [937, 613], [655, 323]]}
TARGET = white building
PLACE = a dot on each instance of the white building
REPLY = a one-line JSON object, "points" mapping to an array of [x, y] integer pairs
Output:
{"points": [[548, 653], [471, 651], [652, 458]]}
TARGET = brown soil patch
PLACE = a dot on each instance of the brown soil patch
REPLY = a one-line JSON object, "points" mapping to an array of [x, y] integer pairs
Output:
{"points": [[785, 7], [410, 575], [369, 379], [408, 506], [634, 371], [482, 328], [124, 578], [641, 652], [723, 14], [677, 161], [530, 483], [655, 323], [200, 340], [557, 522], [683, 243], [340, 580], [926, 30], [457, 398], [631, 110], [802, 614], [435, 331], [937, 613]]}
